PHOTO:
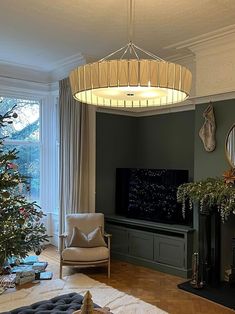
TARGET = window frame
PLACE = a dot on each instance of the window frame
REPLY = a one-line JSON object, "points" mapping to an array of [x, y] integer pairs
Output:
{"points": [[15, 143], [48, 142]]}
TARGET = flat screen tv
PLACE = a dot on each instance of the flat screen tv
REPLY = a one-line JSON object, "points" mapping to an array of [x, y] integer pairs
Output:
{"points": [[150, 194]]}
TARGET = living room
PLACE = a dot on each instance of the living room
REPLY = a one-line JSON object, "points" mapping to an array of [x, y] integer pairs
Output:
{"points": [[73, 153]]}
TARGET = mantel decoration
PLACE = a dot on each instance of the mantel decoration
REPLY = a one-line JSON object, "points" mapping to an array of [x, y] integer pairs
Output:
{"points": [[210, 193], [130, 81]]}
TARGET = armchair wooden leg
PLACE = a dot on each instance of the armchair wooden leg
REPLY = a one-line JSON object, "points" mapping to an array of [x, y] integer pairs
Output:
{"points": [[109, 268], [61, 269]]}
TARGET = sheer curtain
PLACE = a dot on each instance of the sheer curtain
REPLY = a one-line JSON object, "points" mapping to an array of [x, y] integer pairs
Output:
{"points": [[77, 154]]}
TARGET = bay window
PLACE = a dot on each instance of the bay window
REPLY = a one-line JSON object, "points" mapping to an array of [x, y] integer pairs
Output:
{"points": [[34, 135]]}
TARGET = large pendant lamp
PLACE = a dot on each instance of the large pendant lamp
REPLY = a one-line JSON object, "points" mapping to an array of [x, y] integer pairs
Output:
{"points": [[131, 82]]}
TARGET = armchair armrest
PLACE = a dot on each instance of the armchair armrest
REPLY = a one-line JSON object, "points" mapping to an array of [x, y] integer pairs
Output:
{"points": [[63, 235], [108, 237], [62, 238]]}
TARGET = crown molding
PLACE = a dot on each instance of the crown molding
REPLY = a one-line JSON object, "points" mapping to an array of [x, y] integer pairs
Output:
{"points": [[212, 98], [181, 57], [214, 47], [23, 66], [62, 68], [16, 79], [211, 37], [20, 72], [22, 88], [58, 71]]}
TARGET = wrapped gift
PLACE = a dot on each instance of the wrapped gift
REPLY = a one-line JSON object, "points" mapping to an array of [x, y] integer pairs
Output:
{"points": [[29, 260], [23, 271], [39, 266], [7, 281], [26, 279], [24, 274]]}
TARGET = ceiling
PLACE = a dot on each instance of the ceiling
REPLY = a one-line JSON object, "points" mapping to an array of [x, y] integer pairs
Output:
{"points": [[44, 34]]}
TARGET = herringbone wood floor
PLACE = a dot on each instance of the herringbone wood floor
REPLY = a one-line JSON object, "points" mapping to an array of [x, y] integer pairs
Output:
{"points": [[149, 285]]}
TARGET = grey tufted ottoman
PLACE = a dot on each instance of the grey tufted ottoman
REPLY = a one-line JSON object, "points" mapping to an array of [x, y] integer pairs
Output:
{"points": [[67, 303]]}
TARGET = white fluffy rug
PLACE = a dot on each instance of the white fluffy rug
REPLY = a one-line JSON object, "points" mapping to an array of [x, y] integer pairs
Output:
{"points": [[117, 301]]}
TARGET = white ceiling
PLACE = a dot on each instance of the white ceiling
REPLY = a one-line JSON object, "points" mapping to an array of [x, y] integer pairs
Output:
{"points": [[46, 33]]}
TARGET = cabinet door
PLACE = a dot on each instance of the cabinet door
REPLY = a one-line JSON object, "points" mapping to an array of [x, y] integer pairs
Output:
{"points": [[119, 239], [169, 250], [141, 244]]}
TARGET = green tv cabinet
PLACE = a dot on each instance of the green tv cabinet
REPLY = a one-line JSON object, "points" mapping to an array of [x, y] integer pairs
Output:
{"points": [[164, 247]]}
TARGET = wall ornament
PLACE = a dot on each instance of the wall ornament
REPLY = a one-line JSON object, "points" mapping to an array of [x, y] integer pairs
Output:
{"points": [[208, 130]]}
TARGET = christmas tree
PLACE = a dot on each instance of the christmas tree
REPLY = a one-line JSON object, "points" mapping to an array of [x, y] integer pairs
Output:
{"points": [[21, 228]]}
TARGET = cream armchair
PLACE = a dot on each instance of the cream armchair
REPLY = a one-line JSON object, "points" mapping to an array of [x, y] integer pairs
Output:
{"points": [[84, 256]]}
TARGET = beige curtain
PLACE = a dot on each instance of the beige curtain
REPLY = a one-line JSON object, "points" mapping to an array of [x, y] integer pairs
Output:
{"points": [[77, 154]]}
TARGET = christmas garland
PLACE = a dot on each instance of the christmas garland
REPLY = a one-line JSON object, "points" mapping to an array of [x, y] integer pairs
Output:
{"points": [[209, 194]]}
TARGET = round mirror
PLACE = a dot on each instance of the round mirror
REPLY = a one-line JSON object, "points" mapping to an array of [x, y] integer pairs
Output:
{"points": [[230, 146]]}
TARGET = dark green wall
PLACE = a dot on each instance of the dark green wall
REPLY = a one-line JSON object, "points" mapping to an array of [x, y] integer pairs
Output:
{"points": [[160, 141], [214, 164], [167, 141], [115, 148]]}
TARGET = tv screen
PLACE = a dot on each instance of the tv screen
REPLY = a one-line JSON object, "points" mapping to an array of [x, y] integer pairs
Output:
{"points": [[150, 194]]}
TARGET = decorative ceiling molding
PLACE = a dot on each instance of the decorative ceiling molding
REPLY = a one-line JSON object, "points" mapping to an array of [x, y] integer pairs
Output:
{"points": [[22, 65], [22, 88], [205, 38], [61, 69], [39, 75], [213, 98], [181, 57], [216, 46], [21, 72]]}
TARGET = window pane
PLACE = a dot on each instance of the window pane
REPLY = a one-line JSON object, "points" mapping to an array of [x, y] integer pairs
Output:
{"points": [[26, 125], [28, 165]]}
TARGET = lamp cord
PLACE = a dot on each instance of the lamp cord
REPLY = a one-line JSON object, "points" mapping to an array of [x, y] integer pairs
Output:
{"points": [[130, 24], [131, 47]]}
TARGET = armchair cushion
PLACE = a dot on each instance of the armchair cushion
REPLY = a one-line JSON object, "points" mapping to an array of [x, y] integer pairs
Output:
{"points": [[82, 240], [85, 222], [76, 254]]}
